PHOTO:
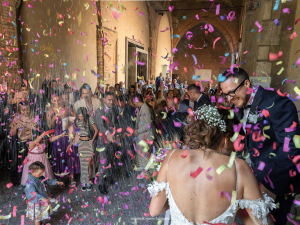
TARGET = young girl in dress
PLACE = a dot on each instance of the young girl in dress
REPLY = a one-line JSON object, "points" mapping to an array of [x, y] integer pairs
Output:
{"points": [[37, 153], [38, 202]]}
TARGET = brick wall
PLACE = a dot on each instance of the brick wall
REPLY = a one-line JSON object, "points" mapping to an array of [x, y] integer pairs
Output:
{"points": [[10, 57]]}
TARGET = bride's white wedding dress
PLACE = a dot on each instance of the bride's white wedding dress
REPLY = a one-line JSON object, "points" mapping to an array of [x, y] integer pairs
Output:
{"points": [[260, 207]]}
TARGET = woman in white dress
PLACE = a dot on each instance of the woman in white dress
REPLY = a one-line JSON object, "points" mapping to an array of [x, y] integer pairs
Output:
{"points": [[203, 185]]}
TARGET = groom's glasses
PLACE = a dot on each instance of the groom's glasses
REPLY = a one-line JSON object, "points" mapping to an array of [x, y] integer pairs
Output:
{"points": [[233, 93]]}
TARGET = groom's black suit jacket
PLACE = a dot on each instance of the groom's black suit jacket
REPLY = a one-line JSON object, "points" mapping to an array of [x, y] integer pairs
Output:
{"points": [[282, 114]]}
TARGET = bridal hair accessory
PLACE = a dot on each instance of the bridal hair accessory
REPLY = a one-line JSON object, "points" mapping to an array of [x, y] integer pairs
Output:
{"points": [[211, 115]]}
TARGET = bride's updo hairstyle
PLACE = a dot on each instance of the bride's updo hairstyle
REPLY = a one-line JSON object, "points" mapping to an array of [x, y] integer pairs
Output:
{"points": [[208, 126]]}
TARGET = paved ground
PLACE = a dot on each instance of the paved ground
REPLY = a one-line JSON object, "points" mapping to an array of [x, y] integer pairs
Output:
{"points": [[127, 204]]}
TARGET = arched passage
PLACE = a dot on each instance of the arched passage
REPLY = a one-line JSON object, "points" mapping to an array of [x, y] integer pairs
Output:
{"points": [[223, 26]]}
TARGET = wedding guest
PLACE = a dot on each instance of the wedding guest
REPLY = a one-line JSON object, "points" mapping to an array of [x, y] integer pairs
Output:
{"points": [[87, 134], [143, 130], [23, 130], [38, 206], [86, 101], [276, 116]]}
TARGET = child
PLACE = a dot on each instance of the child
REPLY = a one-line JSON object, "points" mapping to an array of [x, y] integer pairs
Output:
{"points": [[37, 153], [38, 203]]}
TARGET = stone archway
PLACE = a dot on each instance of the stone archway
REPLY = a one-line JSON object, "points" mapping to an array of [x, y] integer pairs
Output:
{"points": [[207, 17]]}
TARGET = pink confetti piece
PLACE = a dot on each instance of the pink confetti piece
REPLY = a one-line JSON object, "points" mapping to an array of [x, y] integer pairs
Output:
{"points": [[171, 7], [292, 173], [45, 179], [197, 17], [5, 3], [141, 13], [289, 219], [293, 35], [261, 166], [289, 28], [140, 63], [231, 16], [260, 29], [165, 29], [218, 9], [185, 154], [189, 35], [227, 195], [22, 219], [177, 124], [224, 59], [9, 185], [210, 7], [174, 50], [196, 173], [15, 211], [208, 176], [286, 144], [286, 10]]}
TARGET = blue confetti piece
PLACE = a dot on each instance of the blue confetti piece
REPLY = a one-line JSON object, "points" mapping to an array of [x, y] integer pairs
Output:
{"points": [[295, 66], [226, 54], [32, 49], [184, 17], [196, 77], [221, 78], [276, 5], [276, 22], [13, 23], [175, 35], [252, 30]]}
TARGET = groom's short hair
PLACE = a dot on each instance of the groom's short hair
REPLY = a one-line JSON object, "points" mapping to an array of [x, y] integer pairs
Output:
{"points": [[238, 73]]}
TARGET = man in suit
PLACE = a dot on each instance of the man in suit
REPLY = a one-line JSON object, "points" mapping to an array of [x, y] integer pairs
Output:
{"points": [[271, 122], [105, 121], [158, 80], [196, 99], [124, 120], [143, 130]]}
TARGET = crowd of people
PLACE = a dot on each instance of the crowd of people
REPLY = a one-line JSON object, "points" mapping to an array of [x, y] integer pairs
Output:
{"points": [[80, 136]]}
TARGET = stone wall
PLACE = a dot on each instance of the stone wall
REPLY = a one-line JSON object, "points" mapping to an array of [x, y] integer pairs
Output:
{"points": [[9, 52], [272, 39]]}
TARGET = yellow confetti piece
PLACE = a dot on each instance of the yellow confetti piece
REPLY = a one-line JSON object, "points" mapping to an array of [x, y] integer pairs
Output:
{"points": [[38, 75], [265, 80], [28, 29], [296, 89], [165, 115], [266, 128], [233, 197], [60, 23], [258, 79], [46, 210], [5, 217], [159, 222], [140, 78], [236, 80], [150, 162], [231, 159], [133, 118], [221, 169], [270, 106], [46, 55], [280, 71], [22, 150], [44, 33], [144, 144], [86, 5], [272, 154], [67, 76], [278, 63], [56, 207], [245, 157], [100, 149], [296, 140], [234, 137], [231, 114]]}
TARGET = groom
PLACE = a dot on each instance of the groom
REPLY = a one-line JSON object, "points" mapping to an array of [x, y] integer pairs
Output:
{"points": [[270, 122]]}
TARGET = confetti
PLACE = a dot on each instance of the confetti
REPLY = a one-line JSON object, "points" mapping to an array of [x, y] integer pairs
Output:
{"points": [[196, 173]]}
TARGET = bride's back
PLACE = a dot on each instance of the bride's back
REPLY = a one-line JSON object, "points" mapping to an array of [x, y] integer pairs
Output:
{"points": [[198, 198]]}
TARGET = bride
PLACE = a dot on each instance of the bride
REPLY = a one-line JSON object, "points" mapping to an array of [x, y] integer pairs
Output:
{"points": [[203, 185]]}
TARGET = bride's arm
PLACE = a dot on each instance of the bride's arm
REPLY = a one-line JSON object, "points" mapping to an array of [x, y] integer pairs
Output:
{"points": [[159, 203], [251, 191]]}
